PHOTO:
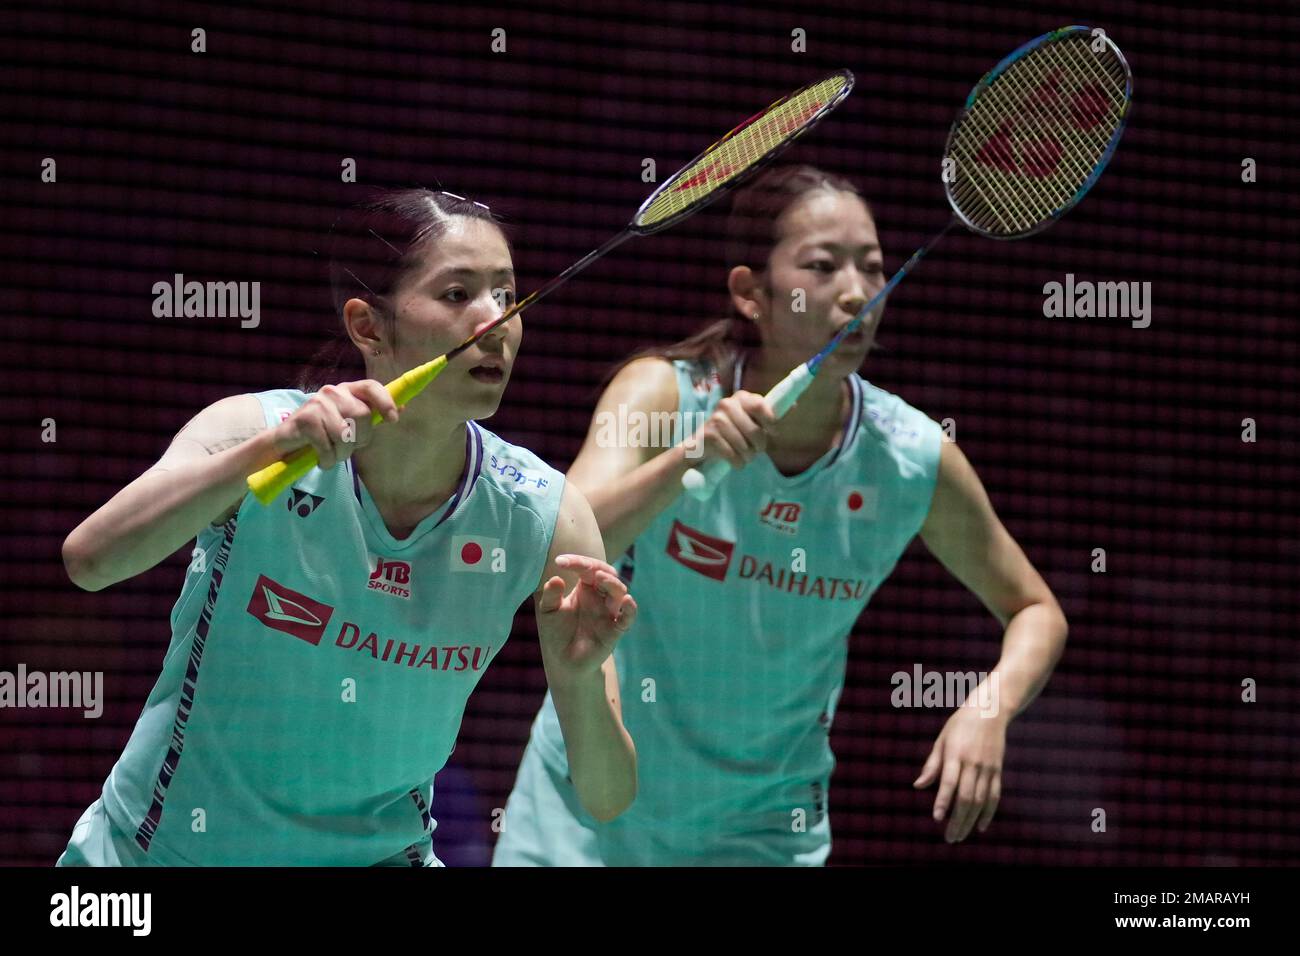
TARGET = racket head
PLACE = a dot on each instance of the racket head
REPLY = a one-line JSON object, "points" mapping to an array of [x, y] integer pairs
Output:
{"points": [[1037, 131], [741, 153]]}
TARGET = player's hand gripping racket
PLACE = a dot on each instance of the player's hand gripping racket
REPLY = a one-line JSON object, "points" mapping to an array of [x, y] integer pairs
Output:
{"points": [[718, 169], [1035, 134]]}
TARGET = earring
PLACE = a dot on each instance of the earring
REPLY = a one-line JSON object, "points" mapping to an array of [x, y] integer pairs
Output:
{"points": [[376, 351], [755, 316]]}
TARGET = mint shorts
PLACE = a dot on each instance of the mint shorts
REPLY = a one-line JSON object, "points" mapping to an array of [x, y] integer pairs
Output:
{"points": [[545, 825]]}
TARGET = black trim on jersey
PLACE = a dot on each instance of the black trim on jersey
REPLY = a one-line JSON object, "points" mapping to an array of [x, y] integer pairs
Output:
{"points": [[626, 565]]}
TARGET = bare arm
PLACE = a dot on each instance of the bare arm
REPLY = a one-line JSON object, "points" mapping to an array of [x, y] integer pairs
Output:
{"points": [[628, 487], [967, 537], [577, 633], [200, 479]]}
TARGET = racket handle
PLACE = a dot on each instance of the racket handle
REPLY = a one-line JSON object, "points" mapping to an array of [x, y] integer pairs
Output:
{"points": [[700, 483], [273, 480]]}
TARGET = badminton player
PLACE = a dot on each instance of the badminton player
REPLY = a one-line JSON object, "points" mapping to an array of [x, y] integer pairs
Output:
{"points": [[323, 647], [731, 675]]}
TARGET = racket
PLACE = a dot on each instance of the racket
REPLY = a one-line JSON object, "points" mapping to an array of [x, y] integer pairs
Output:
{"points": [[1033, 137], [714, 172]]}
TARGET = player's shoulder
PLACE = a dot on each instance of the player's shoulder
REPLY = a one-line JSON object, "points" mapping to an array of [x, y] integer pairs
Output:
{"points": [[893, 420], [238, 417], [646, 383], [515, 473], [277, 404]]}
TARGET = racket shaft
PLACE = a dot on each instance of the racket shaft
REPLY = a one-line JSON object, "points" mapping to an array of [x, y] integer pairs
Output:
{"points": [[272, 481], [700, 483], [876, 299]]}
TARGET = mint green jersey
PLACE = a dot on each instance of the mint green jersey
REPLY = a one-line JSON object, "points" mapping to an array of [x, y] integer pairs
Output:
{"points": [[319, 668], [731, 673]]}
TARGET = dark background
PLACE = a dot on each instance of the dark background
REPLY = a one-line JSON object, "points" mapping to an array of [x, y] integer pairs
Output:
{"points": [[1088, 433]]}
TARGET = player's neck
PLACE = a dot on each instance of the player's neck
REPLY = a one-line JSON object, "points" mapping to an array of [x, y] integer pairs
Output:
{"points": [[418, 461], [817, 418]]}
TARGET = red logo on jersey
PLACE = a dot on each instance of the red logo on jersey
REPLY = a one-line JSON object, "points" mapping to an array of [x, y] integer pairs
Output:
{"points": [[389, 576], [781, 515], [700, 552], [703, 383], [286, 610]]}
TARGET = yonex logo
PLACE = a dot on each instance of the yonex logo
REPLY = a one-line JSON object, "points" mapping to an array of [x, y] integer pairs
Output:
{"points": [[284, 609], [302, 503], [700, 552], [1006, 151]]}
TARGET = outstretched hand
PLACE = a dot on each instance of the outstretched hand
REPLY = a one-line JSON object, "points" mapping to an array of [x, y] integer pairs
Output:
{"points": [[578, 630]]}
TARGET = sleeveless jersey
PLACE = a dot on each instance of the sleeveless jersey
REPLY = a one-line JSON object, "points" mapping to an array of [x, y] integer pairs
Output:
{"points": [[318, 668], [731, 673]]}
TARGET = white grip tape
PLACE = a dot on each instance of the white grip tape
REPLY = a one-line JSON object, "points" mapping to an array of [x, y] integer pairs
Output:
{"points": [[700, 483]]}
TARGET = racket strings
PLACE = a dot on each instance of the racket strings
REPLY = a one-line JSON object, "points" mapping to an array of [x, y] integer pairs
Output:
{"points": [[1030, 102], [1013, 109], [1031, 140], [1034, 87], [742, 148]]}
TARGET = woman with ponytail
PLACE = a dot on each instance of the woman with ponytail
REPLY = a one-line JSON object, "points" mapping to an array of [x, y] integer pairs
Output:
{"points": [[732, 674]]}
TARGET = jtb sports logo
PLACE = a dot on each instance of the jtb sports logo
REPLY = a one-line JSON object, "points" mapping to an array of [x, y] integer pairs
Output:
{"points": [[286, 610], [700, 552], [781, 515], [389, 577]]}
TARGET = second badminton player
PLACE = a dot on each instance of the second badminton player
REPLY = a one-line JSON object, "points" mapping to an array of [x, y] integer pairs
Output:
{"points": [[731, 677]]}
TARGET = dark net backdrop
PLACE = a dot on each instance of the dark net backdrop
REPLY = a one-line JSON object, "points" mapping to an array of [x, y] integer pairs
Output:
{"points": [[1171, 448]]}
